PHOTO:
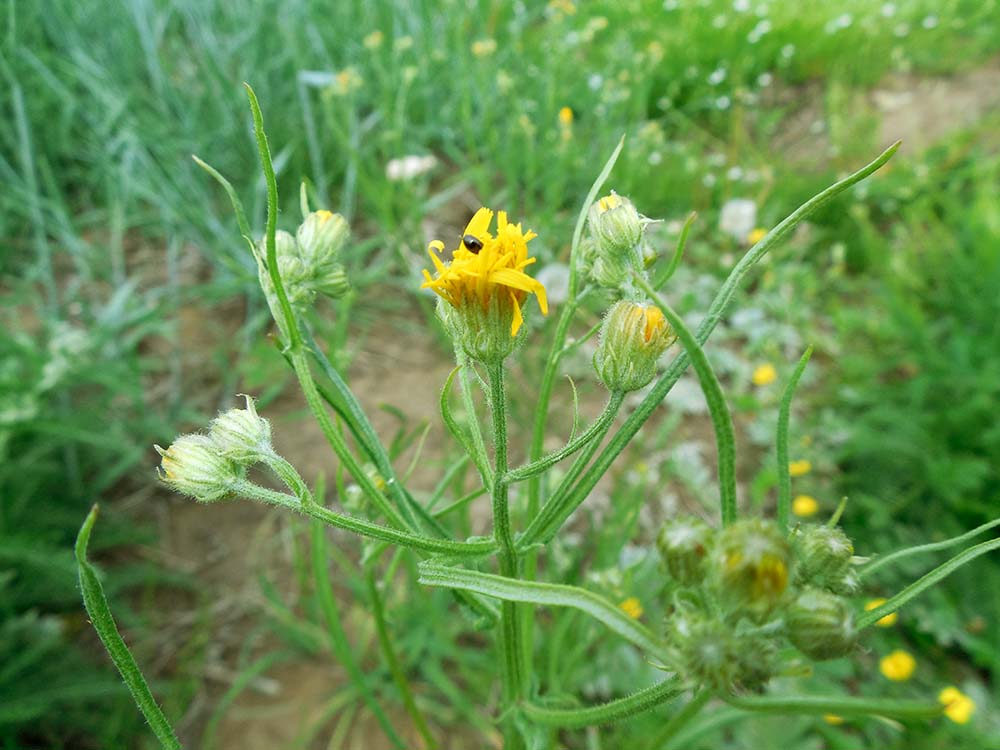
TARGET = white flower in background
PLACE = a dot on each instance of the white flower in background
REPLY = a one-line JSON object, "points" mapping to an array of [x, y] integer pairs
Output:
{"points": [[408, 167], [738, 218], [555, 278]]}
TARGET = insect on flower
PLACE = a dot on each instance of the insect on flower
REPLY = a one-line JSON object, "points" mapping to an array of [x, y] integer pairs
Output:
{"points": [[472, 243]]}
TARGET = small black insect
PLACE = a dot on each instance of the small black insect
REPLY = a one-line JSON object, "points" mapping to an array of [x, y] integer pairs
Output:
{"points": [[472, 243]]}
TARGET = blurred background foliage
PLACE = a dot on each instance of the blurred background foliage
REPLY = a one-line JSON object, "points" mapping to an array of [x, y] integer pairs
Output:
{"points": [[131, 308]]}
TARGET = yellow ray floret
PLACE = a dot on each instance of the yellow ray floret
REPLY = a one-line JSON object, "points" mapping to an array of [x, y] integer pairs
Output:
{"points": [[493, 272]]}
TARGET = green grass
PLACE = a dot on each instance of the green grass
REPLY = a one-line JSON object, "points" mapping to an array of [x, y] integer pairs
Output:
{"points": [[896, 286]]}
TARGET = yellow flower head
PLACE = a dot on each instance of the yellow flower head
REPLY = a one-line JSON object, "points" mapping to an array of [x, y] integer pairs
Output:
{"points": [[957, 705], [898, 666], [804, 506], [833, 719], [756, 235], [764, 375], [566, 117], [632, 607], [883, 622], [800, 468], [487, 269]]}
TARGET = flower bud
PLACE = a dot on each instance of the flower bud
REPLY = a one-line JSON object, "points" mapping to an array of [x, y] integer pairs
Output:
{"points": [[632, 339], [824, 554], [615, 223], [332, 281], [752, 560], [684, 544], [321, 237], [192, 465], [712, 652], [241, 435], [820, 625], [617, 230]]}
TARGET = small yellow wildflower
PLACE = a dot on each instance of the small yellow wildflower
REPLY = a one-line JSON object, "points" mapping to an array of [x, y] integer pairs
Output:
{"points": [[957, 705], [804, 506], [566, 7], [493, 271], [632, 607], [764, 374], [484, 47], [800, 468], [833, 719], [756, 235], [374, 40], [346, 82], [898, 666], [883, 622], [566, 116]]}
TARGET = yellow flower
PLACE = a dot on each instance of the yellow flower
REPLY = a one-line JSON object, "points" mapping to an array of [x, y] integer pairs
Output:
{"points": [[833, 719], [957, 705], [374, 40], [484, 47], [632, 607], [347, 81], [805, 506], [562, 6], [756, 235], [485, 268], [764, 375], [883, 622], [898, 666], [799, 468], [566, 116]]}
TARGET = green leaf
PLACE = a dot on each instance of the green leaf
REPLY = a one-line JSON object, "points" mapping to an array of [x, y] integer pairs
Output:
{"points": [[100, 617], [605, 713], [918, 587], [784, 412], [548, 594]]}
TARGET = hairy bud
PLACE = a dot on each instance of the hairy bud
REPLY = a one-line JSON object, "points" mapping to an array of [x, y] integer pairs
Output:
{"points": [[824, 554], [192, 466], [632, 339], [684, 544], [241, 435], [752, 563], [820, 625]]}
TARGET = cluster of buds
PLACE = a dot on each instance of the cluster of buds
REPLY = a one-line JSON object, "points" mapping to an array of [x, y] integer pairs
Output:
{"points": [[308, 261], [742, 593], [210, 467], [632, 339], [616, 248]]}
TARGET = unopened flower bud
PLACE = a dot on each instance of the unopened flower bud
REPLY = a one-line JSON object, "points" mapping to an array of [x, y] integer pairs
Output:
{"points": [[615, 223], [332, 281], [617, 229], [241, 435], [192, 465], [752, 560], [321, 237], [820, 625], [632, 339], [824, 554], [712, 652], [684, 544]]}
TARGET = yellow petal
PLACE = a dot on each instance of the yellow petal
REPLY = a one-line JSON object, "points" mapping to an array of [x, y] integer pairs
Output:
{"points": [[518, 319], [479, 225]]}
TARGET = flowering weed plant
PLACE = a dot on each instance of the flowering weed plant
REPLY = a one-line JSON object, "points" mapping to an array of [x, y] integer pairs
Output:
{"points": [[747, 599]]}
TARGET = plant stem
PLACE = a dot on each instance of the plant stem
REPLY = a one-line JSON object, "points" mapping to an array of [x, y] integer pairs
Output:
{"points": [[605, 713], [391, 660], [512, 658]]}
